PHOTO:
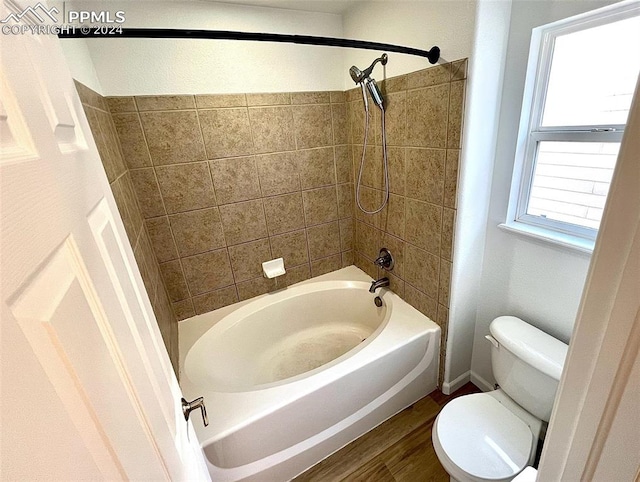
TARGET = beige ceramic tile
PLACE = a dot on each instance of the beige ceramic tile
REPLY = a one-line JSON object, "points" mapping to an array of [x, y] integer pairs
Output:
{"points": [[197, 231], [372, 171], [130, 198], [459, 70], [347, 258], [132, 141], [244, 221], [272, 129], [310, 97], [161, 238], [268, 99], [394, 84], [345, 200], [215, 299], [320, 205], [392, 217], [292, 247], [186, 187], [164, 102], [183, 309], [247, 259], [220, 100], [324, 240], [284, 213], [370, 200], [448, 226], [396, 118], [344, 163], [148, 192], [353, 94], [346, 234], [121, 204], [367, 240], [443, 317], [316, 167], [278, 173], [226, 132], [208, 271], [339, 120], [456, 110], [121, 104], [101, 143], [312, 125], [255, 287], [235, 179], [395, 284], [294, 275], [174, 280], [451, 178], [425, 174], [421, 270], [427, 113], [326, 265], [423, 225], [90, 97], [421, 302], [438, 74], [365, 265], [397, 178], [173, 137], [445, 280], [337, 97]]}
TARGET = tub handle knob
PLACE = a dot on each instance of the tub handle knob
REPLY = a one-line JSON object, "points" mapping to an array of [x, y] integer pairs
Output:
{"points": [[188, 407]]}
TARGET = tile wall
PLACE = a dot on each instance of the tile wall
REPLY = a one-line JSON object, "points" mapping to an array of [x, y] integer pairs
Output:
{"points": [[119, 175], [222, 183], [226, 182], [424, 112]]}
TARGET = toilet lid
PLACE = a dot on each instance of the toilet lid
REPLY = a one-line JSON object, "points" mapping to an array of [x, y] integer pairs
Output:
{"points": [[483, 437]]}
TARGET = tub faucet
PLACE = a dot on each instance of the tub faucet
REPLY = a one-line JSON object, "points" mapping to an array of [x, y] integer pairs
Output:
{"points": [[381, 283]]}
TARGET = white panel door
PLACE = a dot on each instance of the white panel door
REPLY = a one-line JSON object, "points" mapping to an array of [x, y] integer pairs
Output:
{"points": [[87, 391]]}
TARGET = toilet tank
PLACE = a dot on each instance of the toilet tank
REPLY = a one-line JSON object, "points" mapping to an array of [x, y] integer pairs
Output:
{"points": [[527, 364]]}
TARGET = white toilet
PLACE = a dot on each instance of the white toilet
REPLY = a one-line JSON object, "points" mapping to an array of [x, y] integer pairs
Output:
{"points": [[493, 436]]}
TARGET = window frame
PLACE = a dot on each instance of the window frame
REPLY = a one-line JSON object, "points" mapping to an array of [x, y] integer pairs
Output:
{"points": [[531, 132]]}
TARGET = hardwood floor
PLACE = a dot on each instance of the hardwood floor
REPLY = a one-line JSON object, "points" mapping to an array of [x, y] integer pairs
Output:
{"points": [[399, 450]]}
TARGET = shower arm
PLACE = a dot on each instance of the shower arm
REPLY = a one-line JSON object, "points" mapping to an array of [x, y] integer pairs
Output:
{"points": [[433, 55]]}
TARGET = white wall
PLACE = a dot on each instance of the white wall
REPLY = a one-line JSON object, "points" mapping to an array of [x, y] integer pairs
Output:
{"points": [[538, 282], [484, 92], [418, 24], [169, 66]]}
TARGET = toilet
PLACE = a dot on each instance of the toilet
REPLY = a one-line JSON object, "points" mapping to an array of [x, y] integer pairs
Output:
{"points": [[493, 436]]}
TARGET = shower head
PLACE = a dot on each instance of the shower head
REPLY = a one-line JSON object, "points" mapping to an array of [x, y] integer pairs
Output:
{"points": [[358, 75]]}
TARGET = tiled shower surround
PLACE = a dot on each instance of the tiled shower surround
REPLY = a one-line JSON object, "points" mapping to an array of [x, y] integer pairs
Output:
{"points": [[225, 182], [424, 113], [119, 176]]}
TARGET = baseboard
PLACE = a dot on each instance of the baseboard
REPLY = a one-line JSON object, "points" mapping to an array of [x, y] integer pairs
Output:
{"points": [[449, 387], [481, 383]]}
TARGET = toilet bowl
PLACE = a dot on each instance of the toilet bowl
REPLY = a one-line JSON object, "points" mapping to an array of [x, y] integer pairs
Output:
{"points": [[493, 436]]}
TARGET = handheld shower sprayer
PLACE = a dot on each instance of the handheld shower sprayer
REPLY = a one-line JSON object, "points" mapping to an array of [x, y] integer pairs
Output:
{"points": [[366, 82], [364, 78]]}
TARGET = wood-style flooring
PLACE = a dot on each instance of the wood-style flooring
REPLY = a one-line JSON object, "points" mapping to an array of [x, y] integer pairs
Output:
{"points": [[398, 450]]}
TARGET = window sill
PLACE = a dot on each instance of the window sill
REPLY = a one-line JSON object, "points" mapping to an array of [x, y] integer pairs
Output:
{"points": [[568, 241]]}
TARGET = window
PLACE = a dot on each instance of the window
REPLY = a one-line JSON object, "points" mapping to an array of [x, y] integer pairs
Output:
{"points": [[580, 81]]}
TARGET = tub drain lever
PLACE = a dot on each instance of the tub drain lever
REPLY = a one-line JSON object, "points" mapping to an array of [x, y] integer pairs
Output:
{"points": [[188, 407]]}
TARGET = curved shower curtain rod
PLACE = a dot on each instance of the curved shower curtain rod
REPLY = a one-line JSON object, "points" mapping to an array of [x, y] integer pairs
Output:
{"points": [[101, 32]]}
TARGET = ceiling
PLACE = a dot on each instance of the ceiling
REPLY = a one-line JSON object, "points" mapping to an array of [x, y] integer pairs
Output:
{"points": [[325, 6]]}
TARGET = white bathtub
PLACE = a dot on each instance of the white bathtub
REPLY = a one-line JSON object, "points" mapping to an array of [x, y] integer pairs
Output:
{"points": [[290, 377]]}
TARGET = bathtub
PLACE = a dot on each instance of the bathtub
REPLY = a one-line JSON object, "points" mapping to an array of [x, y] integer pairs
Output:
{"points": [[290, 377]]}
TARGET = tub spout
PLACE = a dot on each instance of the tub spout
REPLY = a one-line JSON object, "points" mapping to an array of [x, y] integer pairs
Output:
{"points": [[381, 283]]}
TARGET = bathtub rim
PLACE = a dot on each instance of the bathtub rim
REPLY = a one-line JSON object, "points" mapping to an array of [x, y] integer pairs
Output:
{"points": [[232, 319]]}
